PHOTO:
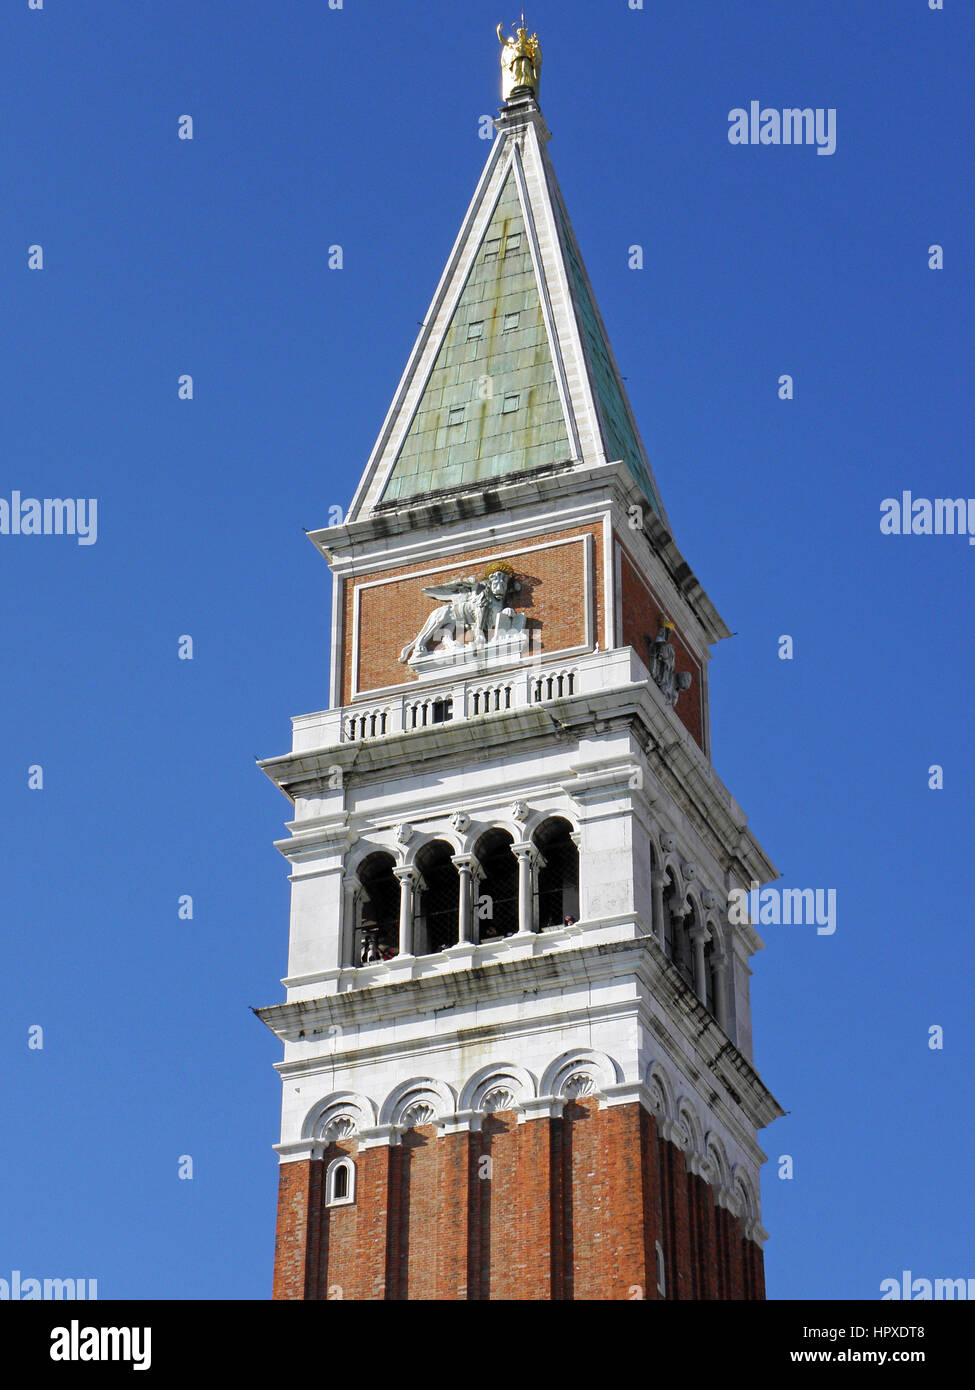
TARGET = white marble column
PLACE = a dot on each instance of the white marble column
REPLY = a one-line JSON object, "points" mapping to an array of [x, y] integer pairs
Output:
{"points": [[408, 878], [658, 882], [352, 890], [464, 863], [525, 853], [699, 935], [719, 964]]}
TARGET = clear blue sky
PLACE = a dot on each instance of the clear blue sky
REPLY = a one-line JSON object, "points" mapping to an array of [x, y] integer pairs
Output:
{"points": [[161, 256]]}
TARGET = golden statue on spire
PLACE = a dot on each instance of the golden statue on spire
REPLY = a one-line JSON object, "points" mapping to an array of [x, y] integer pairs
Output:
{"points": [[521, 62]]}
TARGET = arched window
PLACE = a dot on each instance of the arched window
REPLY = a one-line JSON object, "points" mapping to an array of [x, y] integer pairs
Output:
{"points": [[340, 1182], [558, 876], [377, 927], [684, 946], [670, 901], [710, 974], [496, 906], [437, 923]]}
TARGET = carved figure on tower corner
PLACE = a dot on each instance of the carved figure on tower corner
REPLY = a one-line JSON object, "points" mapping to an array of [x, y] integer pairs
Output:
{"points": [[663, 656], [521, 62]]}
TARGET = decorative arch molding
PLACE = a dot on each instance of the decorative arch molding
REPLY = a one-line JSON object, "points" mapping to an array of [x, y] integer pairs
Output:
{"points": [[365, 850], [342, 1115], [581, 1072], [484, 827], [663, 1103], [712, 920], [501, 1086], [538, 819], [421, 839], [690, 1127], [694, 898], [720, 1171], [746, 1201], [656, 853], [420, 1101], [670, 864], [692, 895]]}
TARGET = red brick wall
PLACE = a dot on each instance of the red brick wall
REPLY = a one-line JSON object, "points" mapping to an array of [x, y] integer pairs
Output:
{"points": [[572, 1210], [458, 1175], [420, 1214], [608, 1248], [296, 1252], [392, 612], [640, 614], [515, 1210]]}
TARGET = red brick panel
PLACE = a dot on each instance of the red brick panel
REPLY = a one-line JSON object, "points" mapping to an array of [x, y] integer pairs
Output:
{"points": [[418, 1210], [703, 1237], [296, 1249], [725, 1228], [560, 1175], [567, 1209], [516, 1238], [609, 1255], [652, 1210], [358, 1233], [736, 1263], [452, 1217], [640, 609], [753, 1261], [682, 1286], [392, 611]]}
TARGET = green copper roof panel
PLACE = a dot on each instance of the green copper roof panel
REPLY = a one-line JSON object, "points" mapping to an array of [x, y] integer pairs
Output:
{"points": [[491, 406], [619, 437]]}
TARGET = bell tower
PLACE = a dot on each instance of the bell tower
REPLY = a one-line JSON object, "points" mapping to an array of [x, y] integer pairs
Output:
{"points": [[517, 1040]]}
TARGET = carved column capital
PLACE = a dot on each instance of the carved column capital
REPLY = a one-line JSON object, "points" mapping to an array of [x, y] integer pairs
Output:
{"points": [[409, 872], [524, 849]]}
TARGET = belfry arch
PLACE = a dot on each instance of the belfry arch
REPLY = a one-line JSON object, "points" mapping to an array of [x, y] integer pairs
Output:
{"points": [[557, 890]]}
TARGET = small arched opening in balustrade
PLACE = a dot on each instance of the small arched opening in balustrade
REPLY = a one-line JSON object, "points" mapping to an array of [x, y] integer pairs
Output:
{"points": [[496, 895], [377, 918], [437, 918], [558, 874]]}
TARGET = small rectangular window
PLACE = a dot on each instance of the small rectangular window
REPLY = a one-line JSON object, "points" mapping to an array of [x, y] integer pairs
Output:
{"points": [[455, 416], [492, 249], [475, 330], [510, 322], [513, 243], [509, 404]]}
